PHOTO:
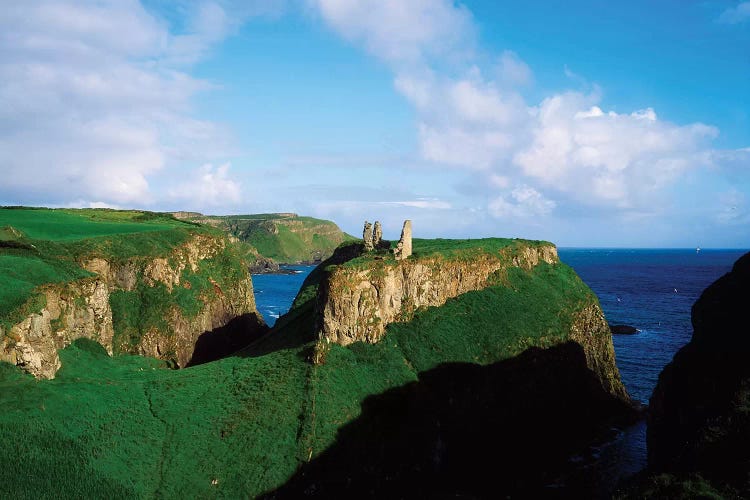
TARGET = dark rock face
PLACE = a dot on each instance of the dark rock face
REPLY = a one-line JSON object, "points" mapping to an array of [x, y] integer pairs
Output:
{"points": [[228, 339], [264, 266], [623, 330], [699, 419], [470, 431]]}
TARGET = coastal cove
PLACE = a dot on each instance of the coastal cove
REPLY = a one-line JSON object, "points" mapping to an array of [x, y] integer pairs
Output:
{"points": [[651, 289]]}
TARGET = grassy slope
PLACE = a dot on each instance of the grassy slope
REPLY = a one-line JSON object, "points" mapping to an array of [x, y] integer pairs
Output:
{"points": [[42, 246], [285, 238], [451, 249], [119, 427]]}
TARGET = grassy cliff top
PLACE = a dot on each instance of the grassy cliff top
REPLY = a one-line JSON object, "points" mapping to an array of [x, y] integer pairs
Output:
{"points": [[446, 248], [40, 246], [283, 237], [241, 426], [78, 224]]}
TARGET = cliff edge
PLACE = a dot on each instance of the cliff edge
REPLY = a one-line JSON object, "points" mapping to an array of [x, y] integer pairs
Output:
{"points": [[699, 421], [135, 282], [358, 298]]}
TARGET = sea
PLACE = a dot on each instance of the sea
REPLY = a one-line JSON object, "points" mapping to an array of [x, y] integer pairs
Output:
{"points": [[652, 290]]}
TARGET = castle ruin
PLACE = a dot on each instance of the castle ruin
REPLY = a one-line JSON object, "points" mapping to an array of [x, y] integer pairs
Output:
{"points": [[373, 239]]}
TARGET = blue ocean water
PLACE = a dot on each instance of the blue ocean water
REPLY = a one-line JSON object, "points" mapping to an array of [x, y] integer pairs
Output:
{"points": [[652, 290], [274, 293]]}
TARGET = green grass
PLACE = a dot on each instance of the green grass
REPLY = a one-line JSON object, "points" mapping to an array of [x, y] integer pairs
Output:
{"points": [[445, 248], [71, 225], [124, 427], [482, 327], [21, 273], [127, 427], [147, 307], [285, 238], [43, 246]]}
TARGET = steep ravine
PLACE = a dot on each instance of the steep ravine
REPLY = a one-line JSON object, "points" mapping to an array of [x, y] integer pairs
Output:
{"points": [[153, 306]]}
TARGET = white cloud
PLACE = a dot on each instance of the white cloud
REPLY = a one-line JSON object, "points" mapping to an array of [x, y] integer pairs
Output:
{"points": [[568, 144], [421, 203], [524, 201], [608, 158], [93, 100], [512, 71], [208, 187], [400, 32], [736, 15]]}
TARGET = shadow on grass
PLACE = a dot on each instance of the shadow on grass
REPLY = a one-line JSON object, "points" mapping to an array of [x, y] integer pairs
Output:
{"points": [[228, 339], [468, 431]]}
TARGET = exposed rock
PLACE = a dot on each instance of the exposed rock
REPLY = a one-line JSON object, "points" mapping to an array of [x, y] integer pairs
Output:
{"points": [[82, 309], [367, 236], [699, 418], [74, 310], [264, 265], [377, 235], [357, 304], [403, 249], [623, 329]]}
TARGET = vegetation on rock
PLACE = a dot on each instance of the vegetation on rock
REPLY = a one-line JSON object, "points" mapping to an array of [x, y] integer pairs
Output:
{"points": [[284, 237], [136, 282], [244, 425]]}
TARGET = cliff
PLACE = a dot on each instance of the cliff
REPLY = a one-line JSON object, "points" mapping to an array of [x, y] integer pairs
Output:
{"points": [[359, 298], [488, 394], [285, 238], [699, 421], [152, 289]]}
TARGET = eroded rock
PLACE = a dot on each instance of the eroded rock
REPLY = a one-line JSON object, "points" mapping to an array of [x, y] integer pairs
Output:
{"points": [[403, 249], [367, 236]]}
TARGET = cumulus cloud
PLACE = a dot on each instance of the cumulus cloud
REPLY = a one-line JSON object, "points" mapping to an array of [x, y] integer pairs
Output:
{"points": [[568, 145], [512, 71], [524, 201], [94, 101], [607, 157], [735, 15], [208, 187], [400, 32]]}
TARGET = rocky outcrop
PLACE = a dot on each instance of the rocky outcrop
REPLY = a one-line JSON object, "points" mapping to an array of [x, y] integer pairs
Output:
{"points": [[623, 330], [699, 419], [367, 237], [404, 247], [377, 234], [74, 310], [83, 308], [357, 303], [263, 265]]}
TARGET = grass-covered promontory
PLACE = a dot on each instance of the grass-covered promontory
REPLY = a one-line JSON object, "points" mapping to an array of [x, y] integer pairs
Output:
{"points": [[40, 246], [493, 372], [283, 237], [141, 273]]}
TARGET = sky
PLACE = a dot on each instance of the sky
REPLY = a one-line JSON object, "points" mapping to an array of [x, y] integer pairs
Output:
{"points": [[585, 123]]}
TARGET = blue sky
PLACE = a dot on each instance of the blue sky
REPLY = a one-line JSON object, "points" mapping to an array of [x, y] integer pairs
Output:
{"points": [[584, 123]]}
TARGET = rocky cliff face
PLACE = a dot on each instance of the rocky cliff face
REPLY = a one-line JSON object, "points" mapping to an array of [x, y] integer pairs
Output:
{"points": [[154, 306], [699, 421], [357, 302]]}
